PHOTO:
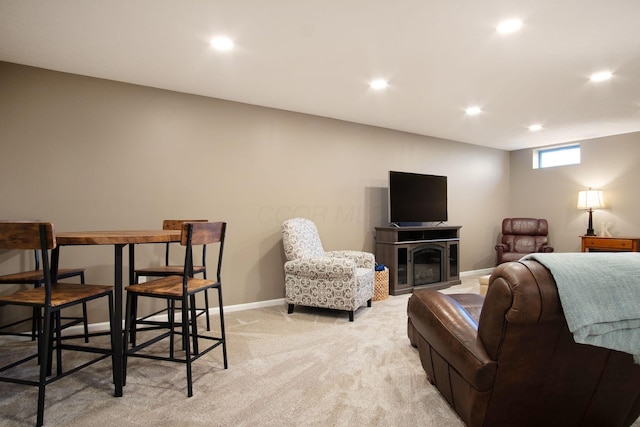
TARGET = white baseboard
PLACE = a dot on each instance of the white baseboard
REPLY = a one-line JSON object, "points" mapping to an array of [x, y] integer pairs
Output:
{"points": [[104, 326], [252, 305], [480, 272]]}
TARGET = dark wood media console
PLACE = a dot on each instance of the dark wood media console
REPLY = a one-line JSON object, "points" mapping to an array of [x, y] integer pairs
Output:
{"points": [[419, 257]]}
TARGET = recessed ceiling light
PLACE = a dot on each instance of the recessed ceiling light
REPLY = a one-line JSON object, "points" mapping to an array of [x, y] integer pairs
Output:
{"points": [[601, 76], [535, 128], [222, 43], [378, 84], [509, 26], [473, 111]]}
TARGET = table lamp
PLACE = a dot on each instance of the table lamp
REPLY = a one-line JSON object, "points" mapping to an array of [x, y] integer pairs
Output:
{"points": [[590, 200]]}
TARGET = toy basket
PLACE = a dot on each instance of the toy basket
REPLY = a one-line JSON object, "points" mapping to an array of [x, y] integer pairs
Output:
{"points": [[381, 285]]}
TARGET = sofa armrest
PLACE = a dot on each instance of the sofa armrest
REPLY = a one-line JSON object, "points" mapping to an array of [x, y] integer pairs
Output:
{"points": [[449, 329], [321, 268], [546, 248], [362, 259]]}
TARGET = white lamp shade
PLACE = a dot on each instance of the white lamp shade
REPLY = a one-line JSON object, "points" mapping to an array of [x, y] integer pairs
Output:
{"points": [[590, 199]]}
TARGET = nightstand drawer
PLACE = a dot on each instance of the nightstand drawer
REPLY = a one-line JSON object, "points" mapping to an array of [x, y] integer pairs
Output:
{"points": [[609, 243]]}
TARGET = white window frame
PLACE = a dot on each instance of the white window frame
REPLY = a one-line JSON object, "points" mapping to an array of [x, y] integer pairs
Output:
{"points": [[557, 156]]}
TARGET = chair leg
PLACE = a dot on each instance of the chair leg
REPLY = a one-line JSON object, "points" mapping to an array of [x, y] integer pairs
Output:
{"points": [[194, 325], [129, 324], [134, 311], [182, 313], [35, 323], [351, 312], [186, 334], [222, 332], [54, 324], [112, 326], [206, 309], [369, 303], [206, 300], [290, 310], [171, 316], [58, 334], [44, 352], [85, 320], [37, 312]]}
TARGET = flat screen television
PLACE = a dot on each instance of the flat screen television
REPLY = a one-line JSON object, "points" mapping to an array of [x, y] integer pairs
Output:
{"points": [[417, 198]]}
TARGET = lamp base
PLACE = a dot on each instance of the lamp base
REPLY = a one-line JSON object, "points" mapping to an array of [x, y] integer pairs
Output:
{"points": [[590, 230]]}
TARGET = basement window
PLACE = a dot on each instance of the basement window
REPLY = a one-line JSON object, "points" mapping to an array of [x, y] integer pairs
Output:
{"points": [[556, 156]]}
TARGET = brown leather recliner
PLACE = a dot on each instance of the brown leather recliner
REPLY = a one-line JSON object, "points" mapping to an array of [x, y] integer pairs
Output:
{"points": [[521, 236], [510, 360]]}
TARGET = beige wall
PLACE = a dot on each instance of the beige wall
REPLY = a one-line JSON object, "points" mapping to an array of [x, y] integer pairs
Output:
{"points": [[87, 153], [611, 164]]}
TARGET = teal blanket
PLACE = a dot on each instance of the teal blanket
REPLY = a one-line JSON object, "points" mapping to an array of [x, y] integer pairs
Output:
{"points": [[600, 296]]}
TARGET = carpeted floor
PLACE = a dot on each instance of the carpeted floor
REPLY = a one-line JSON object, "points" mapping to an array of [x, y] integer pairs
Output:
{"points": [[311, 368]]}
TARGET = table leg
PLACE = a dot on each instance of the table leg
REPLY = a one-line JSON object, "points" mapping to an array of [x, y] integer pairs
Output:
{"points": [[132, 263], [118, 366]]}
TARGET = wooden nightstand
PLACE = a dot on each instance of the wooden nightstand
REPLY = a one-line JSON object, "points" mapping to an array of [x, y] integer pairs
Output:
{"points": [[610, 244]]}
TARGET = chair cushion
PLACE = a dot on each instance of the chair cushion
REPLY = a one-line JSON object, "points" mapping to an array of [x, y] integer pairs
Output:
{"points": [[525, 226], [300, 239]]}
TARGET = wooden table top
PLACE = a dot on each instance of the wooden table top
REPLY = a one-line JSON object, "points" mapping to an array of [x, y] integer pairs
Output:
{"points": [[116, 237]]}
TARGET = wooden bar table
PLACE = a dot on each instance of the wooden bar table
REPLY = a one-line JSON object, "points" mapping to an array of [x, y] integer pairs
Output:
{"points": [[119, 239]]}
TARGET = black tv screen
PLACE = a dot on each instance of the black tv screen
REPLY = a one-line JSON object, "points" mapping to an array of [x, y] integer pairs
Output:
{"points": [[415, 198]]}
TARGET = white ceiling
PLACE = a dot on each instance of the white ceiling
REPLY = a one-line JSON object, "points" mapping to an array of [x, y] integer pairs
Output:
{"points": [[318, 56]]}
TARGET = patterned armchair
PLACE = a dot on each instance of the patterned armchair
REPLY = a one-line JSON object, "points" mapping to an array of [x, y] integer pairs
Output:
{"points": [[341, 280]]}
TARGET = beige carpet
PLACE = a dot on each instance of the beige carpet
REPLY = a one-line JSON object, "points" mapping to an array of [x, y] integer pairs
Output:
{"points": [[310, 368]]}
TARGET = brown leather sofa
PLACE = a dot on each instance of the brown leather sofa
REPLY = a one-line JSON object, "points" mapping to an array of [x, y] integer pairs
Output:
{"points": [[508, 359], [521, 236]]}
